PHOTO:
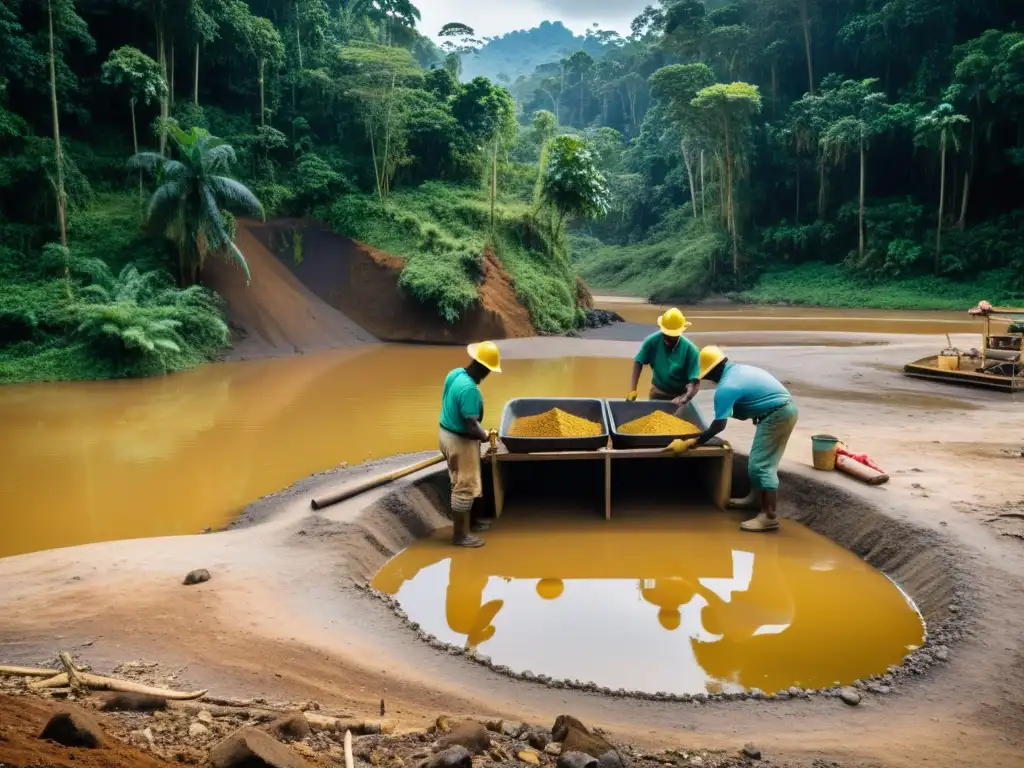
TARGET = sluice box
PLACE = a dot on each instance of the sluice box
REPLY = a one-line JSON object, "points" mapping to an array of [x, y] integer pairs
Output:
{"points": [[595, 475]]}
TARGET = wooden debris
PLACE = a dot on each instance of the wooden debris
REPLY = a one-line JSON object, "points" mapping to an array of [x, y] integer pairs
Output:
{"points": [[27, 671]]}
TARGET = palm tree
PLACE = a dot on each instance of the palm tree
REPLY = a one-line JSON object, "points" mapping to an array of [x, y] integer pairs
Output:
{"points": [[942, 122], [187, 205]]}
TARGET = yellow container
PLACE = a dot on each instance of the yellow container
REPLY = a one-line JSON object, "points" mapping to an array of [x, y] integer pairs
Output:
{"points": [[823, 452], [948, 362]]}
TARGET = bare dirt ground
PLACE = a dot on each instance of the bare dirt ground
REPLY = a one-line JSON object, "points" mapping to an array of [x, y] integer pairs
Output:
{"points": [[280, 618]]}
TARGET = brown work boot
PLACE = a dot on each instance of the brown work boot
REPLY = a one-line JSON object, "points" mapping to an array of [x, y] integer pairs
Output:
{"points": [[471, 542]]}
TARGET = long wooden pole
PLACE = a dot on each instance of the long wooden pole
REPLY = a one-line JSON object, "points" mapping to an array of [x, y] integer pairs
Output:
{"points": [[347, 493]]}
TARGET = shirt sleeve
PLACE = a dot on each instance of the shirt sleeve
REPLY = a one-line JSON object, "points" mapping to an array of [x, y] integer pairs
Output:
{"points": [[691, 365], [471, 403], [646, 355], [725, 399]]}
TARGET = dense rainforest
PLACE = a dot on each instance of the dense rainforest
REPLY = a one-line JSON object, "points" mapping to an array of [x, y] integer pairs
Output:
{"points": [[862, 151], [851, 151]]}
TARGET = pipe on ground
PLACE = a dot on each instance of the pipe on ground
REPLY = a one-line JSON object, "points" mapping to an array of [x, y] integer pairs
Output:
{"points": [[327, 500]]}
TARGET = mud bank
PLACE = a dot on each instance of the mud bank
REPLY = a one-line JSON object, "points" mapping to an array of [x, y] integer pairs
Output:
{"points": [[922, 562]]}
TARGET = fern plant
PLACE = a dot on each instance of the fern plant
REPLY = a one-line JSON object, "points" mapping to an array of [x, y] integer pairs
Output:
{"points": [[142, 320]]}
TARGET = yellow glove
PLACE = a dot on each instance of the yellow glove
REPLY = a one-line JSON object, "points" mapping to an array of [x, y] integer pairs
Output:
{"points": [[631, 396], [678, 446]]}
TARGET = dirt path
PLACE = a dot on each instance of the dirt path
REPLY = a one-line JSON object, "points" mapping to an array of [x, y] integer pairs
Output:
{"points": [[280, 619]]}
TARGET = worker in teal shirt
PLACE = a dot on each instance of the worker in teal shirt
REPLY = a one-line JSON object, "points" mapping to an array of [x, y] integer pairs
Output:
{"points": [[460, 435], [745, 392], [674, 361]]}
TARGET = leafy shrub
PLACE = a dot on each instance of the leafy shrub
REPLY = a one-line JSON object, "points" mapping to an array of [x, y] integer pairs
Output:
{"points": [[440, 281], [141, 321]]}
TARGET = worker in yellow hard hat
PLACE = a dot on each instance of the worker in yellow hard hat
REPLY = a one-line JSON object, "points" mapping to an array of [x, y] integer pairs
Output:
{"points": [[460, 435], [673, 359], [745, 392]]}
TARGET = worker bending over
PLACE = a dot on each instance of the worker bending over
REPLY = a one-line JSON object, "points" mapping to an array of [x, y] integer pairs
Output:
{"points": [[674, 361], [462, 410], [745, 392]]}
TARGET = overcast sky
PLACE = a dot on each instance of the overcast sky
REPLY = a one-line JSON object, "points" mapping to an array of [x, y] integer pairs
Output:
{"points": [[490, 18]]}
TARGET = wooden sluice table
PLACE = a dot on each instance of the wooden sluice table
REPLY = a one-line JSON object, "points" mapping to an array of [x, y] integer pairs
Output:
{"points": [[717, 478]]}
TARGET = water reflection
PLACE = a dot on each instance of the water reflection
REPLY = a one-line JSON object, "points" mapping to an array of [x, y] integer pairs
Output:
{"points": [[682, 604]]}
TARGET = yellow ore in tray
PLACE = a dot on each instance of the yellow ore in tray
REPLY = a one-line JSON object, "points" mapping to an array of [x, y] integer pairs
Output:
{"points": [[658, 423], [554, 423]]}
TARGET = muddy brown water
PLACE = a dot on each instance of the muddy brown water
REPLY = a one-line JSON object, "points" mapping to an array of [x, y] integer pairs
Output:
{"points": [[683, 600], [82, 462]]}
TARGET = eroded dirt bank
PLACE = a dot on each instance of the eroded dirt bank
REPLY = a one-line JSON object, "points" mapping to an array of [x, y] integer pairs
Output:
{"points": [[282, 600]]}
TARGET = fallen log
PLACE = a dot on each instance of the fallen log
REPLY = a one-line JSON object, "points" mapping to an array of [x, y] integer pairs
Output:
{"points": [[27, 671], [358, 727], [99, 683], [217, 710]]}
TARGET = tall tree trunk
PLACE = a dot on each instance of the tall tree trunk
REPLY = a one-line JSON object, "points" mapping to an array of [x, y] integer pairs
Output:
{"points": [[860, 220], [195, 78], [962, 222], [775, 89], [298, 44], [821, 189], [262, 97], [942, 205], [494, 181], [703, 199], [805, 22], [165, 107], [731, 218], [135, 144], [172, 71], [689, 173], [58, 155]]}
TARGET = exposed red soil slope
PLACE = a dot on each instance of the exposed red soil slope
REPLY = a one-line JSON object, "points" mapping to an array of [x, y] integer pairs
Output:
{"points": [[275, 314], [21, 721], [362, 283]]}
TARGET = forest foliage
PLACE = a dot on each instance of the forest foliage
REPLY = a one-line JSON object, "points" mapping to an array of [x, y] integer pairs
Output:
{"points": [[762, 147]]}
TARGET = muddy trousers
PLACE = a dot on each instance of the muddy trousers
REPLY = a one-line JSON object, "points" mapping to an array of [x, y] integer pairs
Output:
{"points": [[658, 394], [769, 445], [463, 457]]}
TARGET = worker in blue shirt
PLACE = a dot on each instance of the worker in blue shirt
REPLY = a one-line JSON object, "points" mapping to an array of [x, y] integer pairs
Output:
{"points": [[745, 392]]}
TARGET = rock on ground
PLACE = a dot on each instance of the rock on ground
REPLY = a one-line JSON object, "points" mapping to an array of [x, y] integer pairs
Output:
{"points": [[575, 737], [850, 696], [576, 760], [74, 727], [249, 748], [198, 730], [453, 757], [472, 736], [291, 727], [198, 576], [751, 751]]}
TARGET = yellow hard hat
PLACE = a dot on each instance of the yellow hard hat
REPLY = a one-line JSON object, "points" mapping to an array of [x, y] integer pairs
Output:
{"points": [[673, 323], [669, 618], [486, 353], [550, 589], [710, 357]]}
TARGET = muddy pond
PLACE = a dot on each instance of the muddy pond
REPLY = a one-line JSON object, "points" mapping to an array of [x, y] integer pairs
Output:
{"points": [[683, 603], [92, 461]]}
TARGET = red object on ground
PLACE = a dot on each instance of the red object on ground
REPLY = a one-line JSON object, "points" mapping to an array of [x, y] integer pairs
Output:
{"points": [[861, 458]]}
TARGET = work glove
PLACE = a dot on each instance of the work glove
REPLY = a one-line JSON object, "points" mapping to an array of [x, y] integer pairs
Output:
{"points": [[631, 396], [678, 446]]}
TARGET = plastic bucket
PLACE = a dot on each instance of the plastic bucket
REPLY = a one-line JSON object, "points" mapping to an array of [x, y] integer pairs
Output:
{"points": [[823, 452], [948, 362]]}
